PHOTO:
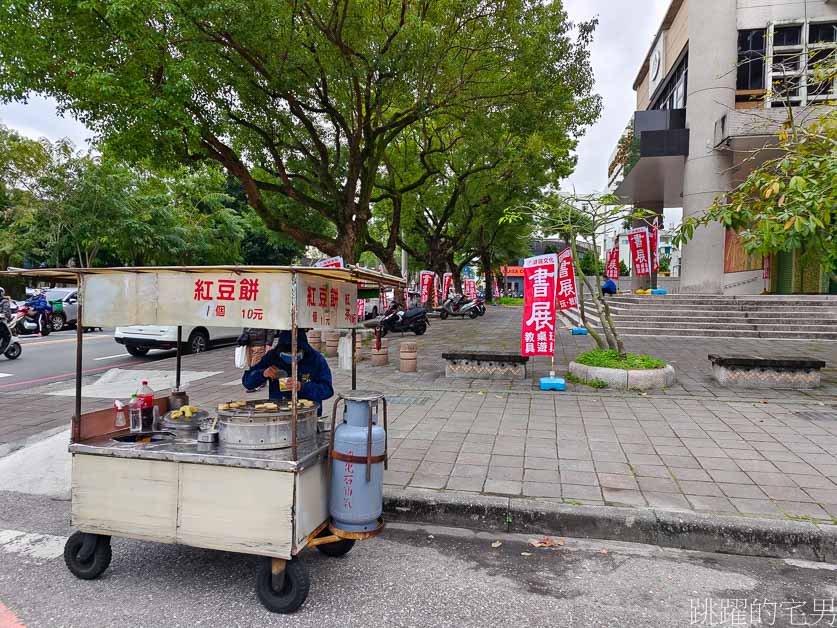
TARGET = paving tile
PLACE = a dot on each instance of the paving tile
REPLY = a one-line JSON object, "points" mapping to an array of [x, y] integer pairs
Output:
{"points": [[674, 501], [707, 489], [681, 462], [801, 468], [504, 487], [614, 480], [507, 461], [803, 509], [658, 485], [636, 459], [757, 466], [578, 491], [541, 475], [788, 493], [473, 485], [813, 481], [541, 489], [747, 491], [771, 479], [644, 470], [576, 465], [693, 475], [435, 468], [441, 456], [541, 463], [401, 464], [822, 495], [623, 497], [711, 504], [397, 478], [718, 464], [505, 473], [732, 477], [469, 470], [612, 467], [756, 506], [425, 480], [472, 458], [579, 477]]}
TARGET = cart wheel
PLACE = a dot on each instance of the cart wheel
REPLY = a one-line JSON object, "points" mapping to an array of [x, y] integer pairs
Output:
{"points": [[95, 565], [294, 589], [336, 549]]}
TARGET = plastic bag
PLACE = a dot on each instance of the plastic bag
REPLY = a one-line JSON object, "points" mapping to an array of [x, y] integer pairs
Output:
{"points": [[241, 357]]}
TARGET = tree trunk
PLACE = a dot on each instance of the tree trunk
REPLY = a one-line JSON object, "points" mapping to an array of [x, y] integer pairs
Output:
{"points": [[485, 261]]}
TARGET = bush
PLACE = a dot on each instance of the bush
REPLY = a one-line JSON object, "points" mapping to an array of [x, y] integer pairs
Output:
{"points": [[610, 359], [510, 301]]}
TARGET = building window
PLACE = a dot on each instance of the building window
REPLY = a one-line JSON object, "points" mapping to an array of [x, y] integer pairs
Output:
{"points": [[751, 52], [794, 54], [673, 93]]}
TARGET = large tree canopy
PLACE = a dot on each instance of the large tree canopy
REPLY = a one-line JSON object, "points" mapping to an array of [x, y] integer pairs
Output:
{"points": [[300, 100]]}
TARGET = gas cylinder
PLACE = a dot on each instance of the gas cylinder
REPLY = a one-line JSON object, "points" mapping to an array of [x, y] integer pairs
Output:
{"points": [[357, 487]]}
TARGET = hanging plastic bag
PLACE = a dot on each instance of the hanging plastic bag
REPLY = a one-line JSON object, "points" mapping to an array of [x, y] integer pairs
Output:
{"points": [[241, 357]]}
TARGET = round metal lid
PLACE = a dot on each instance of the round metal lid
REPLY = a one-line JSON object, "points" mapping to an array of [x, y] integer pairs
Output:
{"points": [[363, 395]]}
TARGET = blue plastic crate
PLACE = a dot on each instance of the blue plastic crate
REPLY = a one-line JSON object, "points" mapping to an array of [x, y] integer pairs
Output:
{"points": [[553, 383], [579, 331]]}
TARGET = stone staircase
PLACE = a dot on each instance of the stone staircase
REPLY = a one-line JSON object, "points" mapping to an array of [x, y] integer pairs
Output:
{"points": [[771, 316]]}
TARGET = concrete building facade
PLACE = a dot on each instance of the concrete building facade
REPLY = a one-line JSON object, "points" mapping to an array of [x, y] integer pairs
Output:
{"points": [[707, 102]]}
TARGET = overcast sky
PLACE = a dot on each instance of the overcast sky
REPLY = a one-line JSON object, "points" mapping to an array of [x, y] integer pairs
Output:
{"points": [[621, 42]]}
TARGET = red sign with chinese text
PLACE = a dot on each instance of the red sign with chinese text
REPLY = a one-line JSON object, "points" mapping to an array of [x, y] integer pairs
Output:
{"points": [[447, 280], [331, 262], [426, 285], [655, 245], [567, 296], [612, 267], [539, 288], [470, 288], [638, 239]]}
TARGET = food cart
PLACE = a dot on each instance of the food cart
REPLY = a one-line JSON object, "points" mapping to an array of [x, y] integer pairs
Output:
{"points": [[263, 487]]}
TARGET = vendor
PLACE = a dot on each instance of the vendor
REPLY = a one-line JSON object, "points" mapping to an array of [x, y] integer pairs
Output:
{"points": [[313, 374]]}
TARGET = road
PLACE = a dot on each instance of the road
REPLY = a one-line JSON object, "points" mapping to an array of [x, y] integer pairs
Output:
{"points": [[53, 358], [410, 576]]}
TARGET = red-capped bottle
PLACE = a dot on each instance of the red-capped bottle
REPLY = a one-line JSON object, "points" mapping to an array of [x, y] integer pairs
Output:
{"points": [[146, 397]]}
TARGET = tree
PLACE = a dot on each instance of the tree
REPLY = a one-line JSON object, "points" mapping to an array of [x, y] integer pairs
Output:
{"points": [[299, 100], [665, 263], [590, 265], [624, 271]]}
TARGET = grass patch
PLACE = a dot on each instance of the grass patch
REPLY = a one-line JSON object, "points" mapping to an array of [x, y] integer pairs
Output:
{"points": [[610, 359], [510, 301], [593, 383]]}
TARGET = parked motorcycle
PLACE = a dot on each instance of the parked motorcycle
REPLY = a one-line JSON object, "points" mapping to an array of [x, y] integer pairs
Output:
{"points": [[458, 305], [395, 319], [8, 345], [26, 321], [480, 306]]}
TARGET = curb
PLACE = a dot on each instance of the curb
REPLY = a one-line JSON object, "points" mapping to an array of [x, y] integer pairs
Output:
{"points": [[676, 529], [9, 448]]}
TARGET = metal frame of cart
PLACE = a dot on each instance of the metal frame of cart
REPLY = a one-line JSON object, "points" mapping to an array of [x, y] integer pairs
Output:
{"points": [[270, 503]]}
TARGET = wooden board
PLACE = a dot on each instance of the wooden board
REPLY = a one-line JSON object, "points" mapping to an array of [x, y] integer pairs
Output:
{"points": [[237, 510], [312, 502], [125, 497]]}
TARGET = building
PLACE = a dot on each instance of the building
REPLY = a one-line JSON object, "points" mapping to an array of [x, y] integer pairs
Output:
{"points": [[706, 97], [666, 248]]}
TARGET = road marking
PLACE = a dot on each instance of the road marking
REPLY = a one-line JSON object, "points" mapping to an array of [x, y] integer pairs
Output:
{"points": [[6, 374], [111, 357], [53, 378], [8, 619], [38, 546], [34, 340]]}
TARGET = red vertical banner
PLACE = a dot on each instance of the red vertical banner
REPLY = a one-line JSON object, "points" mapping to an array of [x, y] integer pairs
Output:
{"points": [[470, 288], [361, 309], [638, 238], [539, 280], [612, 267], [437, 291], [446, 283], [567, 296], [425, 285], [655, 245]]}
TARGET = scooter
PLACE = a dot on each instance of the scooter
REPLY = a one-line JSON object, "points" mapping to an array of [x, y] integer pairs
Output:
{"points": [[480, 306], [395, 319], [26, 321], [458, 305], [9, 347]]}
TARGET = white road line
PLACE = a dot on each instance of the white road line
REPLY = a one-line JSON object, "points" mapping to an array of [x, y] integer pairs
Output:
{"points": [[38, 546], [111, 357], [6, 374]]}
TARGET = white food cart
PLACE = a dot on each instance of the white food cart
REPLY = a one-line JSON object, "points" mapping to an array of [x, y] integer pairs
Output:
{"points": [[155, 487]]}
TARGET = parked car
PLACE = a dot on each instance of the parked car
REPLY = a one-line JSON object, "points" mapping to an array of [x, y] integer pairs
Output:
{"points": [[140, 339], [64, 307]]}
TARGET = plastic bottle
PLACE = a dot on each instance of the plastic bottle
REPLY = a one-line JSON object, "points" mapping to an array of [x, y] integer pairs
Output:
{"points": [[146, 397], [135, 413], [119, 422]]}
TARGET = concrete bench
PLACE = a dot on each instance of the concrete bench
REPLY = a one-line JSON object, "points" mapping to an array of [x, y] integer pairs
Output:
{"points": [[752, 372], [485, 365]]}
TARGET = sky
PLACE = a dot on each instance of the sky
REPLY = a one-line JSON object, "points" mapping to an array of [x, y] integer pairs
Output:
{"points": [[623, 37]]}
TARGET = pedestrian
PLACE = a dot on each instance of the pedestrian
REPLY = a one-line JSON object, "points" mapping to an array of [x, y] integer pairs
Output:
{"points": [[5, 316], [258, 342]]}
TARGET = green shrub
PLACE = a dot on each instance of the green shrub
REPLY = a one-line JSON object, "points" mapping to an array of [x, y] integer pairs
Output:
{"points": [[610, 359]]}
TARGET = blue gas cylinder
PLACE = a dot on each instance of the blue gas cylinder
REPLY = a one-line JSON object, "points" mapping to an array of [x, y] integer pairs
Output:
{"points": [[355, 502]]}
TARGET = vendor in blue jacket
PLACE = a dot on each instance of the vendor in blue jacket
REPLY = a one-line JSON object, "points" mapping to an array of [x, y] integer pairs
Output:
{"points": [[313, 374]]}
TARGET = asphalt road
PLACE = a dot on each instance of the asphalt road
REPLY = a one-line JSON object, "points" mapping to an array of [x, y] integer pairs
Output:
{"points": [[410, 576], [53, 358]]}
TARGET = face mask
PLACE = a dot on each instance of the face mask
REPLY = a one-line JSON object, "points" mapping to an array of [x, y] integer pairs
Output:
{"points": [[286, 357]]}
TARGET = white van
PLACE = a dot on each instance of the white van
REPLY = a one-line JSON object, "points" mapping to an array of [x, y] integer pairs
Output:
{"points": [[140, 339]]}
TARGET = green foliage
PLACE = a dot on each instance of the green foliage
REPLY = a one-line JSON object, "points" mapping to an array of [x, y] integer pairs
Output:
{"points": [[510, 301], [624, 271], [665, 263], [610, 359], [590, 265], [789, 203], [593, 383]]}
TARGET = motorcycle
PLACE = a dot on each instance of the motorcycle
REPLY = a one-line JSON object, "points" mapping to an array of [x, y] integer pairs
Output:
{"points": [[26, 321], [458, 305], [480, 306], [8, 345], [395, 319]]}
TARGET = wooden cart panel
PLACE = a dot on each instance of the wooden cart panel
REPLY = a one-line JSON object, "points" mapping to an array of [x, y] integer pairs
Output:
{"points": [[312, 502]]}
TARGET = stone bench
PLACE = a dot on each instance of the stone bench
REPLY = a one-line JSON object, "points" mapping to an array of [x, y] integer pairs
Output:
{"points": [[485, 365], [752, 372]]}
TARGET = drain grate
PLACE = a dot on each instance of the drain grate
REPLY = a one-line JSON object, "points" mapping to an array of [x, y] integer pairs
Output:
{"points": [[817, 416], [406, 400]]}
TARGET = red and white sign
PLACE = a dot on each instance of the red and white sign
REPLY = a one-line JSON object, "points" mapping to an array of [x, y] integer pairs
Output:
{"points": [[567, 295], [470, 288], [331, 262], [612, 267], [539, 281], [655, 245], [361, 309], [447, 280], [425, 285], [638, 239]]}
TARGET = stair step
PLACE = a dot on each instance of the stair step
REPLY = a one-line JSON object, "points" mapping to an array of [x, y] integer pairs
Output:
{"points": [[732, 333]]}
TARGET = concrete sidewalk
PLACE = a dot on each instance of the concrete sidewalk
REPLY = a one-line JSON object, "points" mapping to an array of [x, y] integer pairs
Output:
{"points": [[696, 449]]}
